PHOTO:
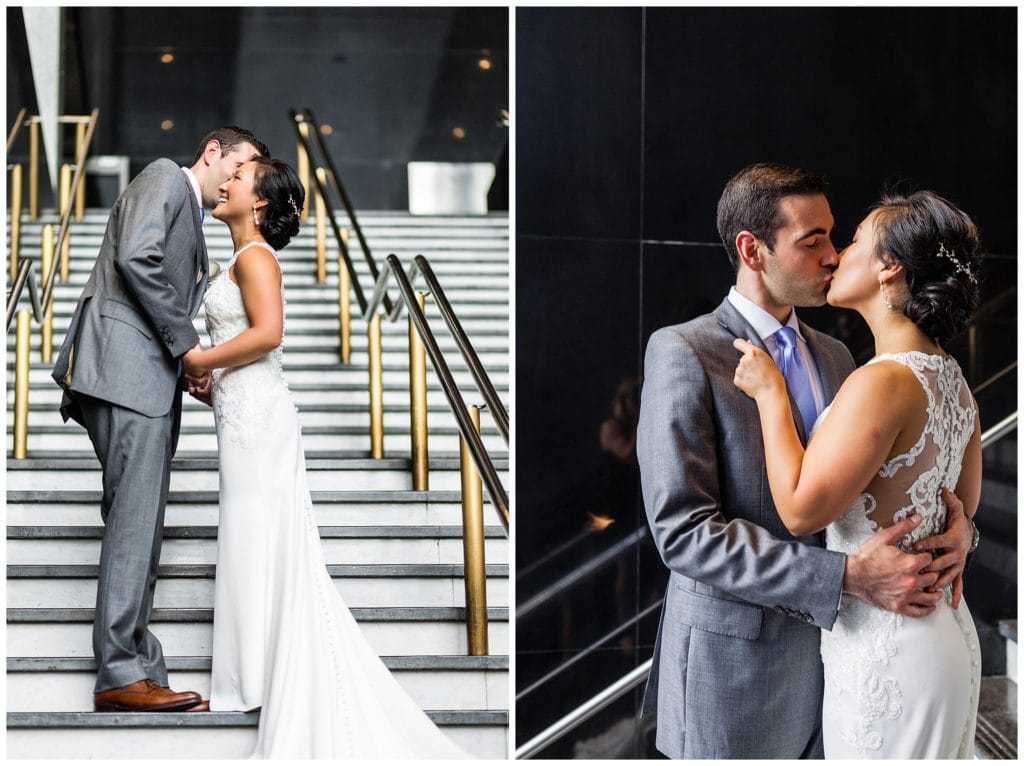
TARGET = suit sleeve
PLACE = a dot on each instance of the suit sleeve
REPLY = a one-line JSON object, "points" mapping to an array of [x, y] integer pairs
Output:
{"points": [[146, 214], [676, 446]]}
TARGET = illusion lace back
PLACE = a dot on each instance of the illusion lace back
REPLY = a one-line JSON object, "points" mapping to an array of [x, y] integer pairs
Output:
{"points": [[905, 687], [283, 639]]}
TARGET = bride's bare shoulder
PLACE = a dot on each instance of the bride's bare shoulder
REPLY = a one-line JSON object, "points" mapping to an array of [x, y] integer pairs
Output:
{"points": [[886, 383]]}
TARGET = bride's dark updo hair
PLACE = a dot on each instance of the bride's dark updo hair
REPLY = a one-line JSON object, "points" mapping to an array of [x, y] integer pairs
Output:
{"points": [[275, 182], [940, 250]]}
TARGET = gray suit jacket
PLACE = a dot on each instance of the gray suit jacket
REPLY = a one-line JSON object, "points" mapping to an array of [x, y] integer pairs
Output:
{"points": [[133, 320], [736, 671]]}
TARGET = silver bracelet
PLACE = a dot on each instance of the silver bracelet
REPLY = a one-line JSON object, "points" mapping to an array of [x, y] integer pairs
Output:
{"points": [[976, 538]]}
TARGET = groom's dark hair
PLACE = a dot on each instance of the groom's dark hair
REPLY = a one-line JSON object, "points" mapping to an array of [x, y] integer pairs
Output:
{"points": [[229, 137], [750, 202]]}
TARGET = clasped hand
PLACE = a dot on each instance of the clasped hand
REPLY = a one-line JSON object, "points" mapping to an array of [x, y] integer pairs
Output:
{"points": [[756, 372], [200, 380]]}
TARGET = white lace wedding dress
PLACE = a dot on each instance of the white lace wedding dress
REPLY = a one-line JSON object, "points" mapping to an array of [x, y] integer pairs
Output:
{"points": [[904, 687], [283, 638]]}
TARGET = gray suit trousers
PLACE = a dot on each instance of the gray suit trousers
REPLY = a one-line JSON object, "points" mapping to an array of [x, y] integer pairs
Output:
{"points": [[135, 453]]}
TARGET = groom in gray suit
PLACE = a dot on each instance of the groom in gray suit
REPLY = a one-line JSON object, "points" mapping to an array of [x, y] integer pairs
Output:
{"points": [[121, 370], [736, 672]]}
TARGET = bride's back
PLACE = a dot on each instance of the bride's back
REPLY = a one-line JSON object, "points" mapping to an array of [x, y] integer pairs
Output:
{"points": [[913, 479]]}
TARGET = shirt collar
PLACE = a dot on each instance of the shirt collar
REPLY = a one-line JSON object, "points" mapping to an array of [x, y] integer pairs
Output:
{"points": [[764, 323], [195, 187]]}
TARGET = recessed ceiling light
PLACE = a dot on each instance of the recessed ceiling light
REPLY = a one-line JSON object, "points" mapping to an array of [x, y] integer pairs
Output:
{"points": [[167, 124]]}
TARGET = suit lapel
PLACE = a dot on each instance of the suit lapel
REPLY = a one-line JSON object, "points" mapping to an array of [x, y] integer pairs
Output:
{"points": [[733, 321]]}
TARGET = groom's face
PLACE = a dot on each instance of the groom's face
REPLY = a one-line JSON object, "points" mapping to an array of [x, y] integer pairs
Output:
{"points": [[798, 269], [222, 167]]}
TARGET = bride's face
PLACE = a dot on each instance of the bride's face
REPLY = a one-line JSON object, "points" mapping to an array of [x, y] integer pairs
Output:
{"points": [[236, 198], [856, 277]]}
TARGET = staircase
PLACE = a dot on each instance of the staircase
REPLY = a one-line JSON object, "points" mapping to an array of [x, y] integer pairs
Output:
{"points": [[394, 554]]}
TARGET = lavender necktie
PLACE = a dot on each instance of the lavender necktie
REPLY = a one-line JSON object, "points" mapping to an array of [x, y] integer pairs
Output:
{"points": [[797, 376]]}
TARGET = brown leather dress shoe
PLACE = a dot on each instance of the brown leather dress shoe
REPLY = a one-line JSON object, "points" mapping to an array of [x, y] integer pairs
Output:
{"points": [[141, 696]]}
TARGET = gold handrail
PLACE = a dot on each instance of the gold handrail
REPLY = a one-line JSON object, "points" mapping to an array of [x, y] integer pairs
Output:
{"points": [[15, 242], [475, 462], [42, 305], [18, 122]]}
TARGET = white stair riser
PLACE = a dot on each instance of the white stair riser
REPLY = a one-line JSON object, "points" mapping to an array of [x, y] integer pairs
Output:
{"points": [[208, 481], [492, 350], [49, 396], [196, 639], [335, 551], [1011, 660], [490, 742], [71, 692], [200, 417], [207, 514], [175, 592], [394, 444], [39, 376]]}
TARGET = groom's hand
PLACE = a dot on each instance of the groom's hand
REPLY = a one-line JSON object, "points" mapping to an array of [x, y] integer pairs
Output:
{"points": [[201, 388], [882, 575], [952, 547]]}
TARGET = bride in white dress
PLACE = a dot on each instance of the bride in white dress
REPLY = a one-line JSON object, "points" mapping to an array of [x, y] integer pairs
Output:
{"points": [[901, 428], [283, 639]]}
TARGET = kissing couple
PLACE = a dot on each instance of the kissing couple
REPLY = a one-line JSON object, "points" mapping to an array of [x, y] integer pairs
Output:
{"points": [[814, 607], [284, 642]]}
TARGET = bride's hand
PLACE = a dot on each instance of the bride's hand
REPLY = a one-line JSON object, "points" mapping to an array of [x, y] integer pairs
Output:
{"points": [[192, 364], [756, 374]]}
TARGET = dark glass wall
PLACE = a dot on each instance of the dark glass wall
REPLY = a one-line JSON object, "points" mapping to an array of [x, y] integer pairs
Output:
{"points": [[395, 85], [629, 122]]}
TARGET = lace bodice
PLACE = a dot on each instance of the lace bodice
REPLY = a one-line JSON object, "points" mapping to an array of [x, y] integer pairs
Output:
{"points": [[862, 654], [240, 394], [913, 480]]}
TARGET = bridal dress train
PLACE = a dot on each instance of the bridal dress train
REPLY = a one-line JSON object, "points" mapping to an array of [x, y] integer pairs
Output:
{"points": [[905, 687], [283, 639]]}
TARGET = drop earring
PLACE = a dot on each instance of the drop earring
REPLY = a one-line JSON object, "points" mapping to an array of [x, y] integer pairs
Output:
{"points": [[885, 296], [255, 220]]}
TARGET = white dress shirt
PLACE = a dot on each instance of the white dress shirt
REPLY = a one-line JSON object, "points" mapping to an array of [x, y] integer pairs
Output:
{"points": [[766, 326], [195, 189]]}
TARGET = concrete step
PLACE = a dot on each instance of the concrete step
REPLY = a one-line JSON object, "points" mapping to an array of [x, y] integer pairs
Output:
{"points": [[207, 481], [202, 736], [65, 586], [189, 632], [455, 683], [996, 737], [187, 550], [358, 508], [351, 418], [73, 437], [327, 375], [353, 391], [305, 328]]}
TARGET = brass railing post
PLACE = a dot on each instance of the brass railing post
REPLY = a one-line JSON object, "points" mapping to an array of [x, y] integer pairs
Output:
{"points": [[418, 403], [80, 192], [21, 367], [33, 168], [344, 304], [46, 330], [473, 547], [15, 218], [65, 205], [321, 229], [303, 167], [376, 388]]}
